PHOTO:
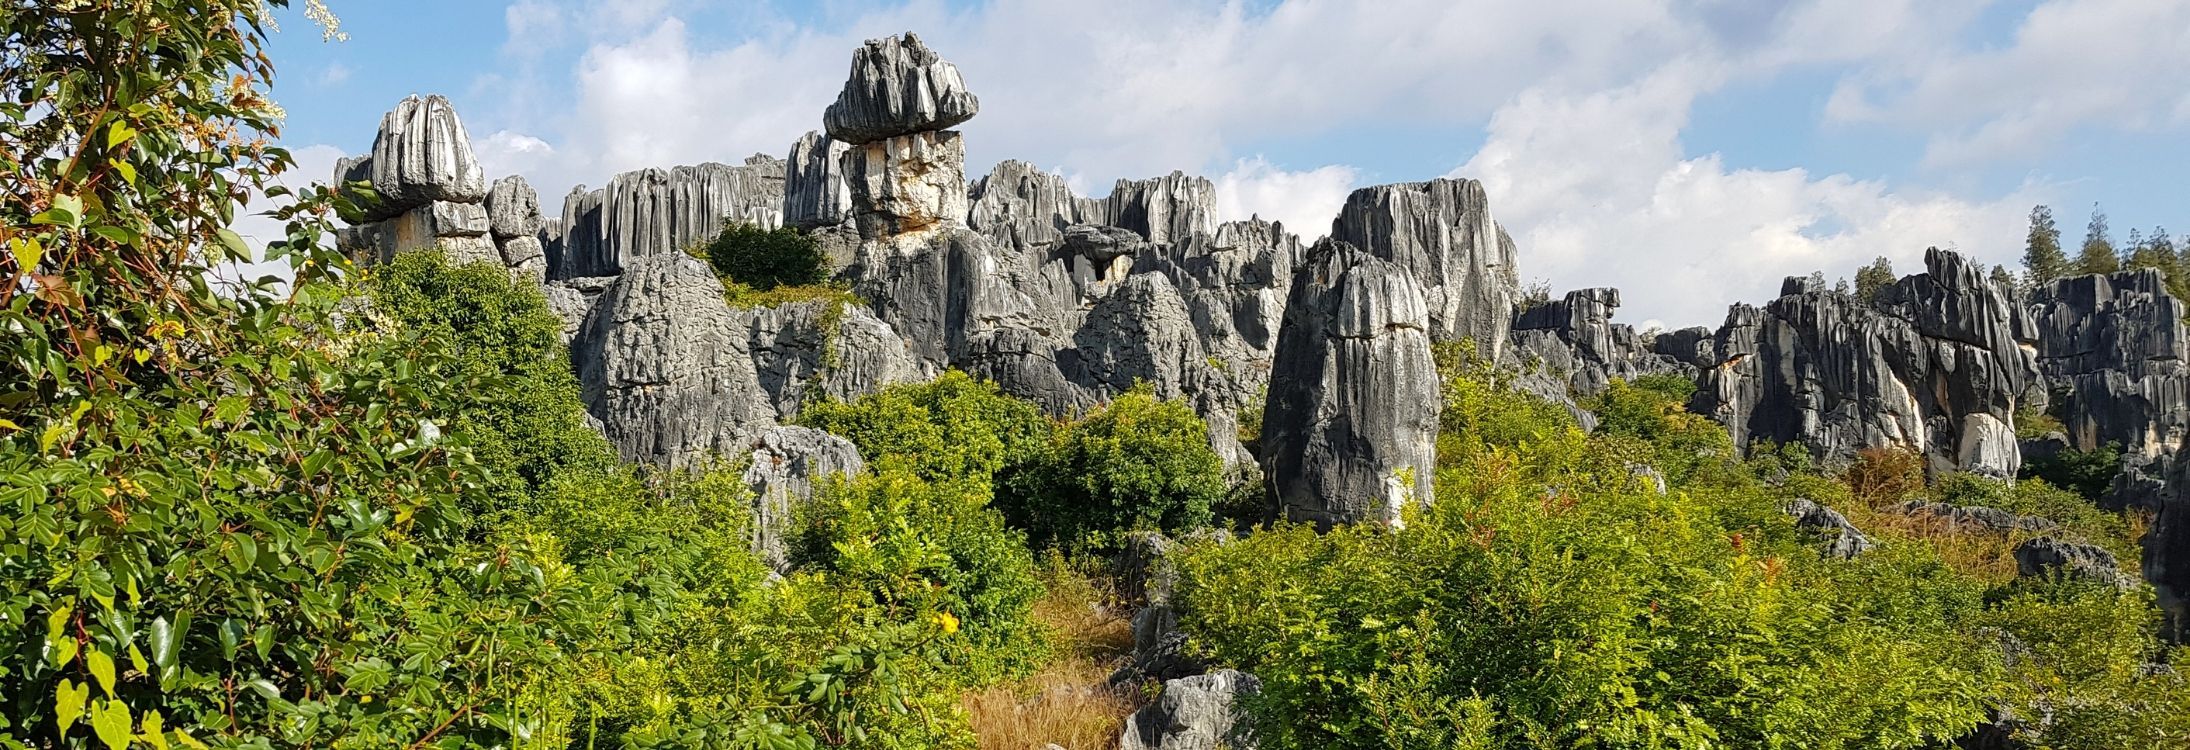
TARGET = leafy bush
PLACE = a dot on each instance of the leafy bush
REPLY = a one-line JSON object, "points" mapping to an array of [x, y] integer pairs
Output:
{"points": [[764, 259], [527, 421], [2086, 473], [1138, 463], [952, 428]]}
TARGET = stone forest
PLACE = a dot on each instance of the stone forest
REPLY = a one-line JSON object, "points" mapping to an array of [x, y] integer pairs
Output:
{"points": [[997, 465]]}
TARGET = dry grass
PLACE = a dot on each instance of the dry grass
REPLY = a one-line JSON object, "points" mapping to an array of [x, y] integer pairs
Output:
{"points": [[1982, 554], [1069, 701]]}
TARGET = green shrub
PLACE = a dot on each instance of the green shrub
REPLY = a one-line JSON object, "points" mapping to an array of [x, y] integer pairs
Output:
{"points": [[2086, 473], [764, 259], [1138, 463], [527, 421], [950, 429]]}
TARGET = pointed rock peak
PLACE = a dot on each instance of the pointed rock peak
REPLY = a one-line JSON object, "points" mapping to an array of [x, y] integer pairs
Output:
{"points": [[898, 87]]}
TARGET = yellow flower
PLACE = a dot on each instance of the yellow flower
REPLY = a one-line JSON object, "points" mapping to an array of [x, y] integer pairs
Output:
{"points": [[948, 621]]}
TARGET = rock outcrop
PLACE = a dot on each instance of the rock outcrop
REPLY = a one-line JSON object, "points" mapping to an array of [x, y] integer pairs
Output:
{"points": [[2114, 347], [1441, 232], [788, 465], [1575, 338], [657, 211], [898, 87], [514, 221], [1939, 365], [2048, 555], [1842, 540], [1201, 712], [1349, 433], [814, 192], [427, 186]]}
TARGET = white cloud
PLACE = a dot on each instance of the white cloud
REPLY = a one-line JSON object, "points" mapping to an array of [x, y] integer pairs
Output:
{"points": [[335, 74], [1597, 191], [2072, 63], [1303, 201]]}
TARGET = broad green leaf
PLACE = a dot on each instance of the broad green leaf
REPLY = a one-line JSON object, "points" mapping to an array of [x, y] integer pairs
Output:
{"points": [[111, 722], [68, 702], [154, 729], [102, 669], [234, 242], [28, 251], [166, 642], [61, 645]]}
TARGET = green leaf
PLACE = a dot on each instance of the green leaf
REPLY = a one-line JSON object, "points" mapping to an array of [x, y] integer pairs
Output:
{"points": [[245, 553], [317, 461], [60, 645], [119, 133], [167, 642], [68, 702], [28, 252], [155, 733], [111, 722], [102, 669], [121, 235], [234, 242]]}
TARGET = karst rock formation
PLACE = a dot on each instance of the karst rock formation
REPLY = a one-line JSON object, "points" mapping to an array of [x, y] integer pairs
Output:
{"points": [[1070, 300]]}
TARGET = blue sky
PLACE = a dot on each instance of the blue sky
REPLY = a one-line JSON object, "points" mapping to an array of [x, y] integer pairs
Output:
{"points": [[1691, 152]]}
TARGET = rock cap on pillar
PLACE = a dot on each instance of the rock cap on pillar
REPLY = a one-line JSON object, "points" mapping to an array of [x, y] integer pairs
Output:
{"points": [[898, 87]]}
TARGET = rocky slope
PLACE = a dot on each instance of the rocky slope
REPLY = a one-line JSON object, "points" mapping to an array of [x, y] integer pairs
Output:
{"points": [[1068, 300]]}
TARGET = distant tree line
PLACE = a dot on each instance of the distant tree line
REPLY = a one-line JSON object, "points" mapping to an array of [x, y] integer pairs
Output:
{"points": [[2045, 260]]}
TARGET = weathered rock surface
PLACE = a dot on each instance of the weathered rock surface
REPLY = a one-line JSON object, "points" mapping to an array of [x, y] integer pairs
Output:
{"points": [[1575, 336], [2115, 348], [788, 465], [898, 87], [513, 209], [1350, 427], [1441, 232], [1843, 541], [666, 366], [907, 185], [1976, 517], [1915, 370], [657, 211], [422, 154], [1201, 712], [814, 192], [2047, 555], [1163, 209]]}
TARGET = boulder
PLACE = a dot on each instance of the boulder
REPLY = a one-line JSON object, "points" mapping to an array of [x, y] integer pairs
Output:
{"points": [[2047, 555], [513, 209], [666, 365], [788, 464], [898, 87], [1201, 712], [1349, 429], [1842, 540]]}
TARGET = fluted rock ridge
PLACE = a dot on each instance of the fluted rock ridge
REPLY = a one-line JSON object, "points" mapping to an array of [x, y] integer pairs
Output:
{"points": [[1442, 233]]}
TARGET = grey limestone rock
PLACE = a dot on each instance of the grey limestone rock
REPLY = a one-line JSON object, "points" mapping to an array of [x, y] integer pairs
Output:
{"points": [[422, 154], [666, 365], [1988, 519], [1201, 712], [1843, 541], [788, 464], [658, 211], [1576, 336], [2047, 555], [1163, 209], [898, 87], [513, 209], [907, 185], [2115, 346], [1442, 233], [835, 349], [1940, 364], [1351, 416], [1019, 205], [814, 192]]}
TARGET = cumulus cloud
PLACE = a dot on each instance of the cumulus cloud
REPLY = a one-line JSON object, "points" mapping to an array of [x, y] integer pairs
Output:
{"points": [[2072, 63], [1598, 191]]}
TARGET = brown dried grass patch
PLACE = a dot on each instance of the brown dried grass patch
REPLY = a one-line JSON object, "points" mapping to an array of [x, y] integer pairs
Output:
{"points": [[1068, 702]]}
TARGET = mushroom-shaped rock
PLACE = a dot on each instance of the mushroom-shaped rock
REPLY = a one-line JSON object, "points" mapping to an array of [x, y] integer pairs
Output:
{"points": [[422, 154], [788, 463], [1349, 430], [898, 87]]}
